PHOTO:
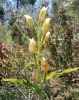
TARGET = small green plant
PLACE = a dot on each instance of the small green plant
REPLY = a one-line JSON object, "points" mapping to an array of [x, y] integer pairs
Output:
{"points": [[39, 63]]}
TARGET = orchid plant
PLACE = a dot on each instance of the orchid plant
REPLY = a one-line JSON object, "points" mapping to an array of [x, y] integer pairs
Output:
{"points": [[40, 72]]}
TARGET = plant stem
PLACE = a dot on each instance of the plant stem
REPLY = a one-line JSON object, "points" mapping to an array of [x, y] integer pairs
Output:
{"points": [[35, 60], [41, 96], [38, 35], [38, 40], [39, 69], [44, 78], [22, 32]]}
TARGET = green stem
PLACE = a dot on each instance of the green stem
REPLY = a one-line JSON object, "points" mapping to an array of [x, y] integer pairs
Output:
{"points": [[42, 42], [41, 96], [22, 32], [38, 40], [35, 60], [44, 78], [43, 38], [34, 31], [38, 35], [39, 69]]}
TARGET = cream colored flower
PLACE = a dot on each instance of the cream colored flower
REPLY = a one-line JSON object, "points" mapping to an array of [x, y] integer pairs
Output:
{"points": [[44, 65], [42, 13], [29, 20], [35, 76], [46, 25], [32, 46], [47, 36]]}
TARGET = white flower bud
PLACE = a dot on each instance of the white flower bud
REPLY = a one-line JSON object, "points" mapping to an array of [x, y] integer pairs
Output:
{"points": [[29, 20], [32, 46], [47, 36], [46, 25], [42, 13]]}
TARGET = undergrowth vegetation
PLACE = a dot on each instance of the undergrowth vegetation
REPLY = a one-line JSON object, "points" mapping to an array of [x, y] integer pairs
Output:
{"points": [[50, 55]]}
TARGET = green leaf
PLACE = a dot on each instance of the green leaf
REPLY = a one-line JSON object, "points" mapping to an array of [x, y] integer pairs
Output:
{"points": [[51, 75], [69, 70], [13, 80], [22, 32], [60, 73], [29, 64], [25, 83]]}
